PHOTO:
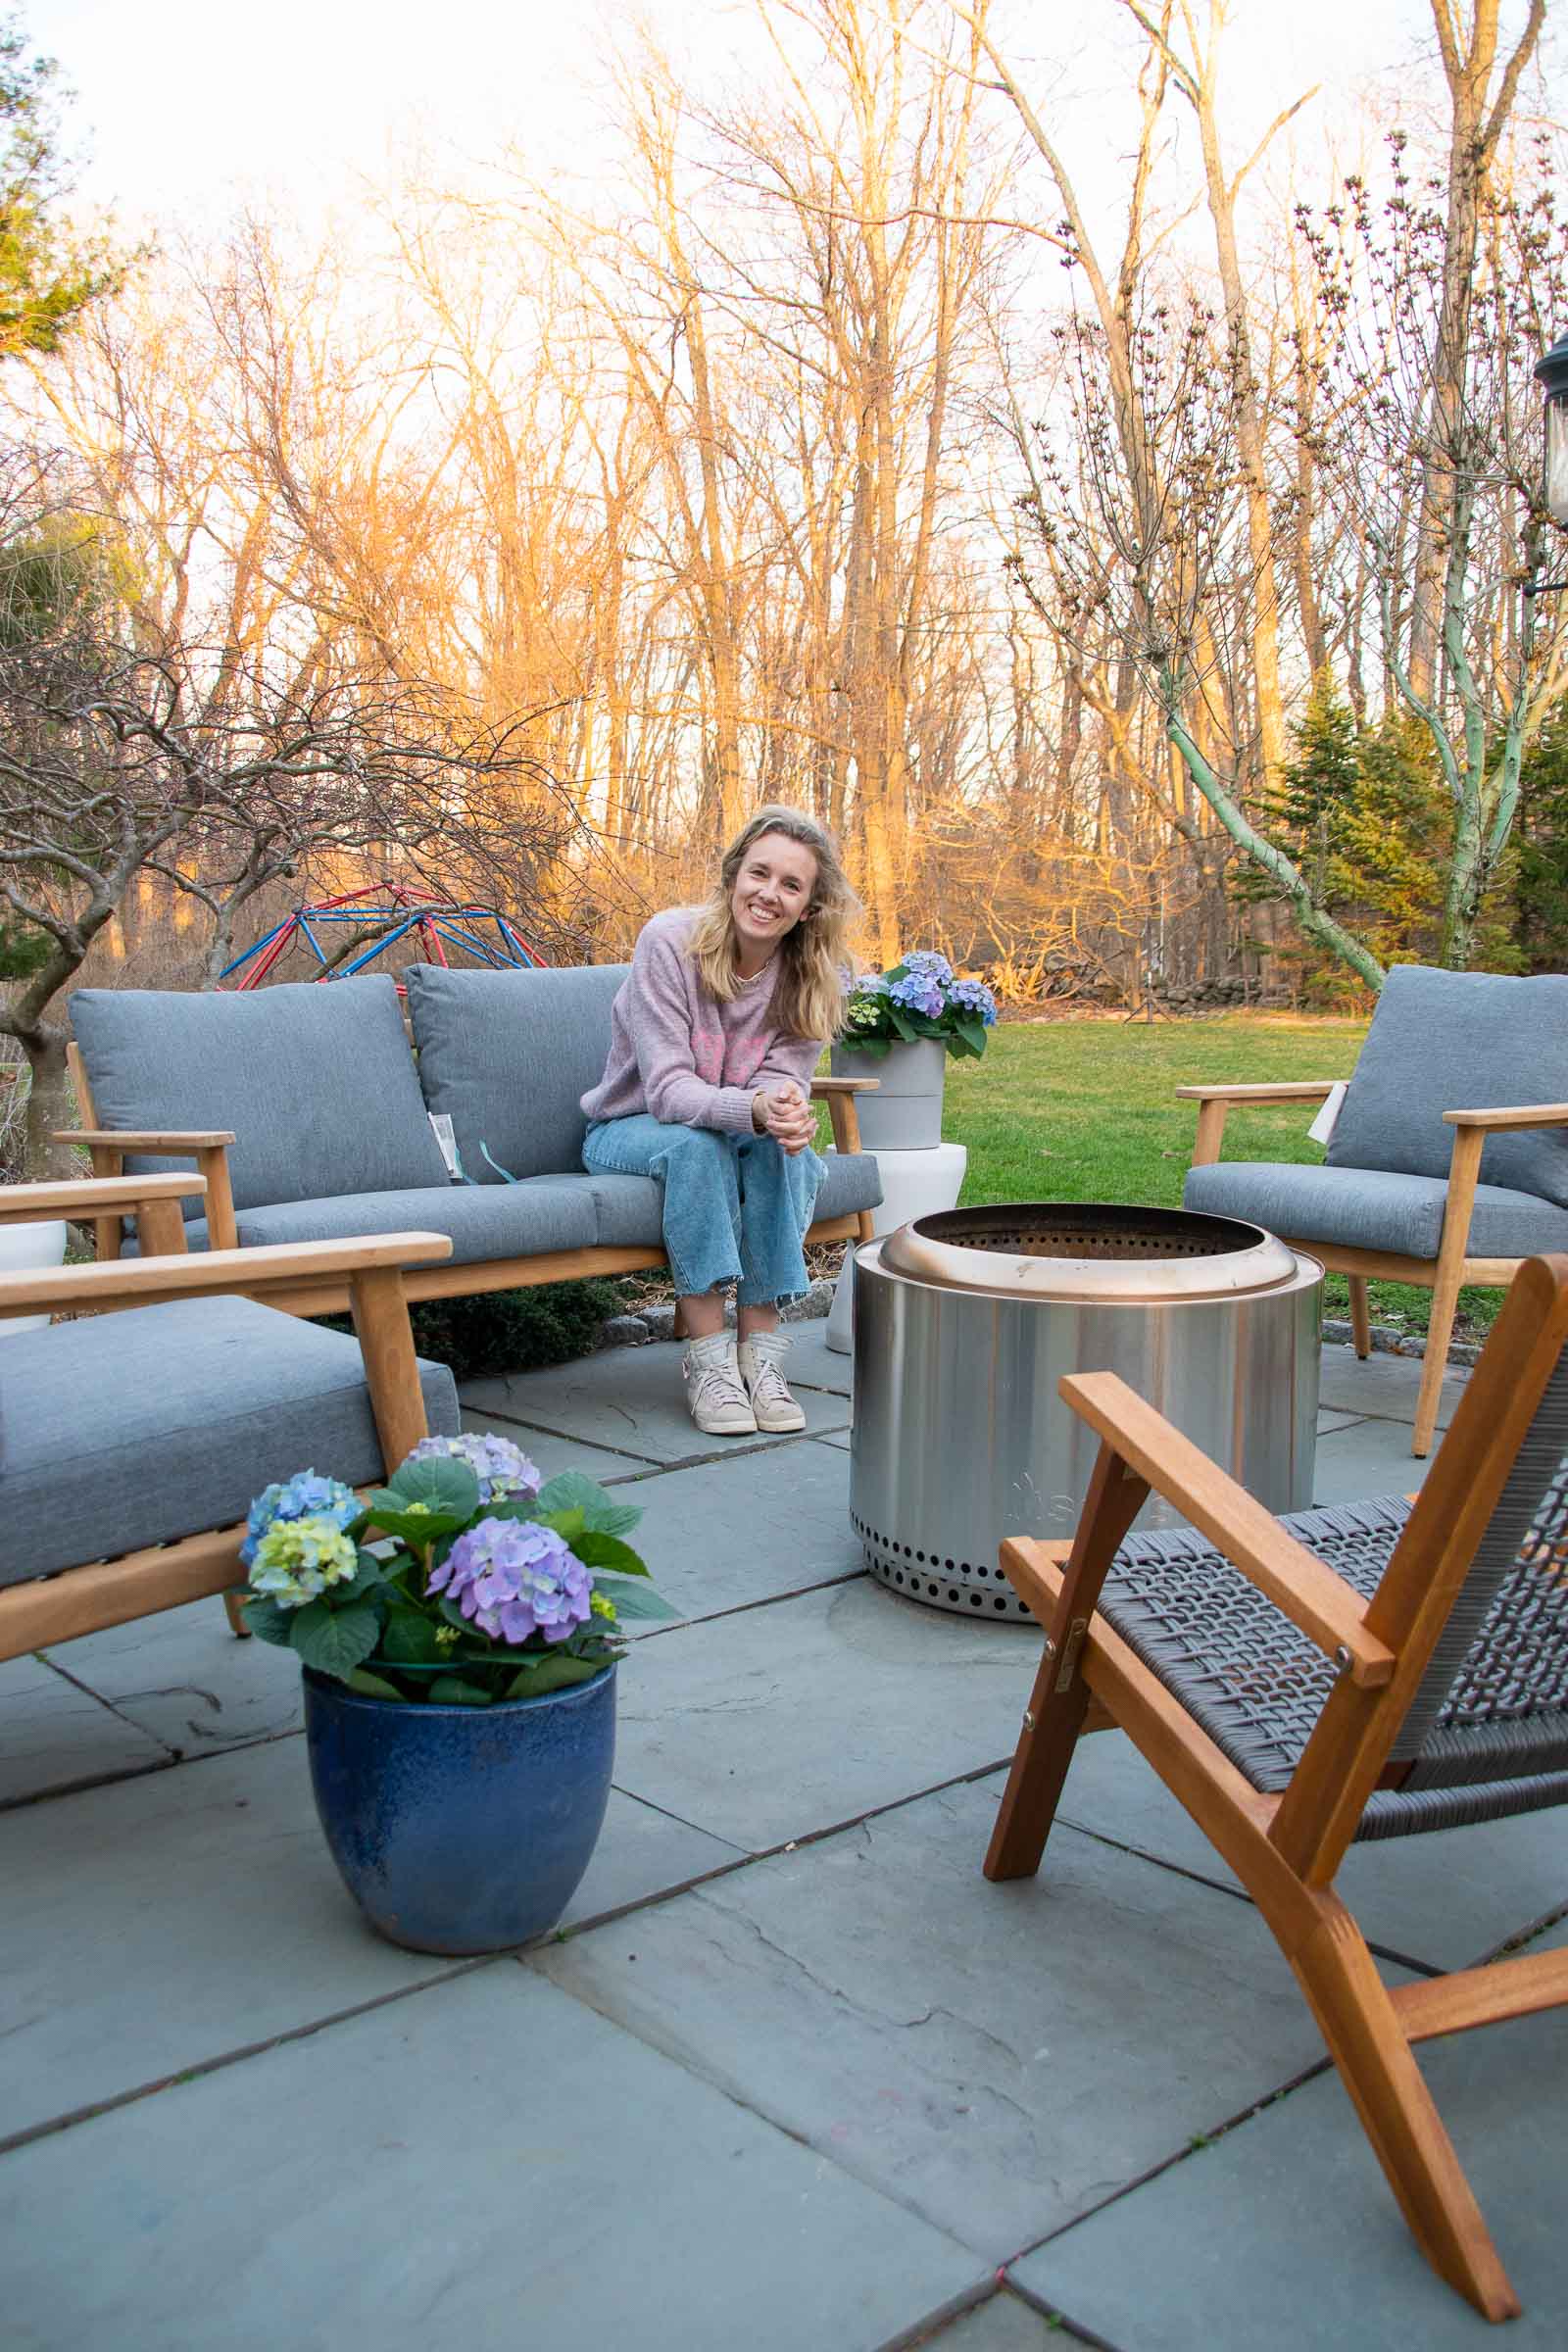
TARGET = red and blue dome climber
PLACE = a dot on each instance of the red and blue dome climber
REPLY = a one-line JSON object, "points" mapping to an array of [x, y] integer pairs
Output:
{"points": [[384, 914]]}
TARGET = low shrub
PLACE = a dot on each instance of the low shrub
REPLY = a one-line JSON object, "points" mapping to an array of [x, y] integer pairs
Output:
{"points": [[512, 1331]]}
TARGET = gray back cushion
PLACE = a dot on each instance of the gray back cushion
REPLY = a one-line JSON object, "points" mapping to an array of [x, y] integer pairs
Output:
{"points": [[508, 1057], [316, 1081], [1460, 1040]]}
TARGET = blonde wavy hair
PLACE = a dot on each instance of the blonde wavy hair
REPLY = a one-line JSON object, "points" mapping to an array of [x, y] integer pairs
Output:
{"points": [[808, 994]]}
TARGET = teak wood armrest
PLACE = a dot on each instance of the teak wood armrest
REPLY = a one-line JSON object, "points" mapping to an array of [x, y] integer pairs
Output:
{"points": [[1215, 1101], [1293, 1090], [90, 1195], [1527, 1114], [839, 1095], [207, 1146], [140, 1281], [166, 1140], [1319, 1603], [824, 1089], [152, 1201]]}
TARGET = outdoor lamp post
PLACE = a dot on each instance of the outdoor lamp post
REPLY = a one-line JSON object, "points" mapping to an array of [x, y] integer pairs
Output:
{"points": [[1552, 373]]}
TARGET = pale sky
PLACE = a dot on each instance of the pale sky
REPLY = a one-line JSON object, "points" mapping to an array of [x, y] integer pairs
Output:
{"points": [[186, 105]]}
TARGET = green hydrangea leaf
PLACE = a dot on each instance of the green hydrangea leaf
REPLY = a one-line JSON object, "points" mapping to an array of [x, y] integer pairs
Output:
{"points": [[550, 1674], [451, 1691], [409, 1638], [568, 1525], [269, 1620], [333, 1641], [575, 1491], [443, 1481], [370, 1685], [608, 1552], [633, 1601]]}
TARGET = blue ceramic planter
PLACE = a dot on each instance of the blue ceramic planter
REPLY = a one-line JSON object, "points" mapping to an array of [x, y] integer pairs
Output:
{"points": [[461, 1830]]}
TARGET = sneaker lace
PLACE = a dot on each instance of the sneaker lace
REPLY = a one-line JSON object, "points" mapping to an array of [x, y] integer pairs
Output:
{"points": [[717, 1383], [767, 1381]]}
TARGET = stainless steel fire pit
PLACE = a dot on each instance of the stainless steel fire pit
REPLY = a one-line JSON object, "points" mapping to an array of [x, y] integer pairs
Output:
{"points": [[965, 1322]]}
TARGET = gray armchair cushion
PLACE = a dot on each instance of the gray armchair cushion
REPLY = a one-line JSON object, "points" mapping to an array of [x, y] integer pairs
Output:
{"points": [[1370, 1209], [485, 1221], [631, 1207], [316, 1082], [508, 1056], [157, 1422], [1460, 1040]]}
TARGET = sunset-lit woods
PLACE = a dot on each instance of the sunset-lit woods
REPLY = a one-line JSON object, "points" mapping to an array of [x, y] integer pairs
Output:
{"points": [[1109, 512]]}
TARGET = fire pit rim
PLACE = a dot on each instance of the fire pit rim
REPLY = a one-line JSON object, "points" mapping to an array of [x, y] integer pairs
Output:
{"points": [[1241, 1259]]}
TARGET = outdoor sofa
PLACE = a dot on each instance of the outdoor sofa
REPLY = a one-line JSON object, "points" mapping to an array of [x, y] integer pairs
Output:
{"points": [[310, 1117]]}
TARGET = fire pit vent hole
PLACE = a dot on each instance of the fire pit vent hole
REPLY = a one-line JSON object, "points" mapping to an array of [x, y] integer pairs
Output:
{"points": [[911, 1571]]}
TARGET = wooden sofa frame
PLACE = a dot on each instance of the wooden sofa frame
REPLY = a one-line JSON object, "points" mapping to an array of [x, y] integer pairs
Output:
{"points": [[369, 1274], [209, 1147], [1445, 1275]]}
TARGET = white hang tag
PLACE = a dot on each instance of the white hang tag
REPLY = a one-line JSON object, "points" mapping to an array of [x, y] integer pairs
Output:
{"points": [[1324, 1124], [446, 1135]]}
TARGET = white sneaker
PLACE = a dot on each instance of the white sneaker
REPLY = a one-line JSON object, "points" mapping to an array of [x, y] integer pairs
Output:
{"points": [[719, 1402], [759, 1362]]}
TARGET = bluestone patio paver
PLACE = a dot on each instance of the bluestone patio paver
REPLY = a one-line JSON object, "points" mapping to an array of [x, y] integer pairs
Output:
{"points": [[1285, 2230], [55, 1736], [183, 1677], [1004, 2323], [794, 1532], [548, 1453], [487, 2164], [626, 1400], [227, 1923], [780, 1723], [967, 2048], [1385, 1384]]}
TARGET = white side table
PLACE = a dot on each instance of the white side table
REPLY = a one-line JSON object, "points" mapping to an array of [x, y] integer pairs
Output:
{"points": [[29, 1248], [915, 1184]]}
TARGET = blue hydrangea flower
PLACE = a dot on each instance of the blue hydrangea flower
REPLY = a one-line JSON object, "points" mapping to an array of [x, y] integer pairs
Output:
{"points": [[513, 1579], [304, 1495], [926, 959], [973, 996], [502, 1468], [296, 1560], [918, 992]]}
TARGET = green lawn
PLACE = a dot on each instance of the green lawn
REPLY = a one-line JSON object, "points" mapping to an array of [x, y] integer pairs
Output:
{"points": [[1087, 1110]]}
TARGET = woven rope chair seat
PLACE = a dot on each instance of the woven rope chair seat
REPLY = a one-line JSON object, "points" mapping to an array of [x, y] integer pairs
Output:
{"points": [[1496, 1745]]}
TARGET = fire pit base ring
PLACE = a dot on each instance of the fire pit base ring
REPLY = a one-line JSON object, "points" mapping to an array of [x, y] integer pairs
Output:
{"points": [[965, 1323]]}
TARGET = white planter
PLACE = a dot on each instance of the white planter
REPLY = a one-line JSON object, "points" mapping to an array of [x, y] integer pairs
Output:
{"points": [[904, 1114], [26, 1248], [915, 1184]]}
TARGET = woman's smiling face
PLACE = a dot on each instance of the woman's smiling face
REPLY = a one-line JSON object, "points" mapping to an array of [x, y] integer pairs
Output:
{"points": [[772, 891]]}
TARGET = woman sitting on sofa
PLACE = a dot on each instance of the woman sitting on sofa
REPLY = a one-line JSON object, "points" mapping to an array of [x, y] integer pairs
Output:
{"points": [[714, 1039]]}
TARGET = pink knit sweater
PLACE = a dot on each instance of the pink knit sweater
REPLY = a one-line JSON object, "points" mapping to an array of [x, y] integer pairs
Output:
{"points": [[677, 1054]]}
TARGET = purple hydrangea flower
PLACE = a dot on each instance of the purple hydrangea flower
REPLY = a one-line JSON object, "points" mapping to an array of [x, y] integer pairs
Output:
{"points": [[918, 992], [927, 960], [302, 1496], [502, 1468], [973, 996], [513, 1579]]}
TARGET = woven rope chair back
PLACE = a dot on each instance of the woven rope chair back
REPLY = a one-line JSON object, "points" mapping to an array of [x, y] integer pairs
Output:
{"points": [[1493, 1700]]}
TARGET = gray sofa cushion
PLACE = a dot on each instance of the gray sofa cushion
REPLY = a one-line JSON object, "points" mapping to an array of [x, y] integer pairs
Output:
{"points": [[485, 1221], [316, 1082], [631, 1207], [136, 1427], [1460, 1040], [1369, 1208], [508, 1056]]}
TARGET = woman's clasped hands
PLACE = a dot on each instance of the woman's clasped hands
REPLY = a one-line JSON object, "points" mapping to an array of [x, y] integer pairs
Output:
{"points": [[785, 1114]]}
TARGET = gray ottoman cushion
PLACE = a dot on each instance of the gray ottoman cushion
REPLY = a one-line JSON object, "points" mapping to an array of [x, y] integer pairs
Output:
{"points": [[317, 1083], [485, 1221], [137, 1427], [1460, 1040], [508, 1056], [1367, 1208]]}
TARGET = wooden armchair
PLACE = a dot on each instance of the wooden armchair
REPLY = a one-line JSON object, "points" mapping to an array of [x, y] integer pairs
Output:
{"points": [[1415, 1191], [1297, 1686], [132, 1441]]}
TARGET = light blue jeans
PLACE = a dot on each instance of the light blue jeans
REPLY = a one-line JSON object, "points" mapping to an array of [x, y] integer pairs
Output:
{"points": [[736, 1207]]}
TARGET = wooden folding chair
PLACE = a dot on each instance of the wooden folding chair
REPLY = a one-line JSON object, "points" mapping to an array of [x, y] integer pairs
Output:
{"points": [[1343, 1673]]}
